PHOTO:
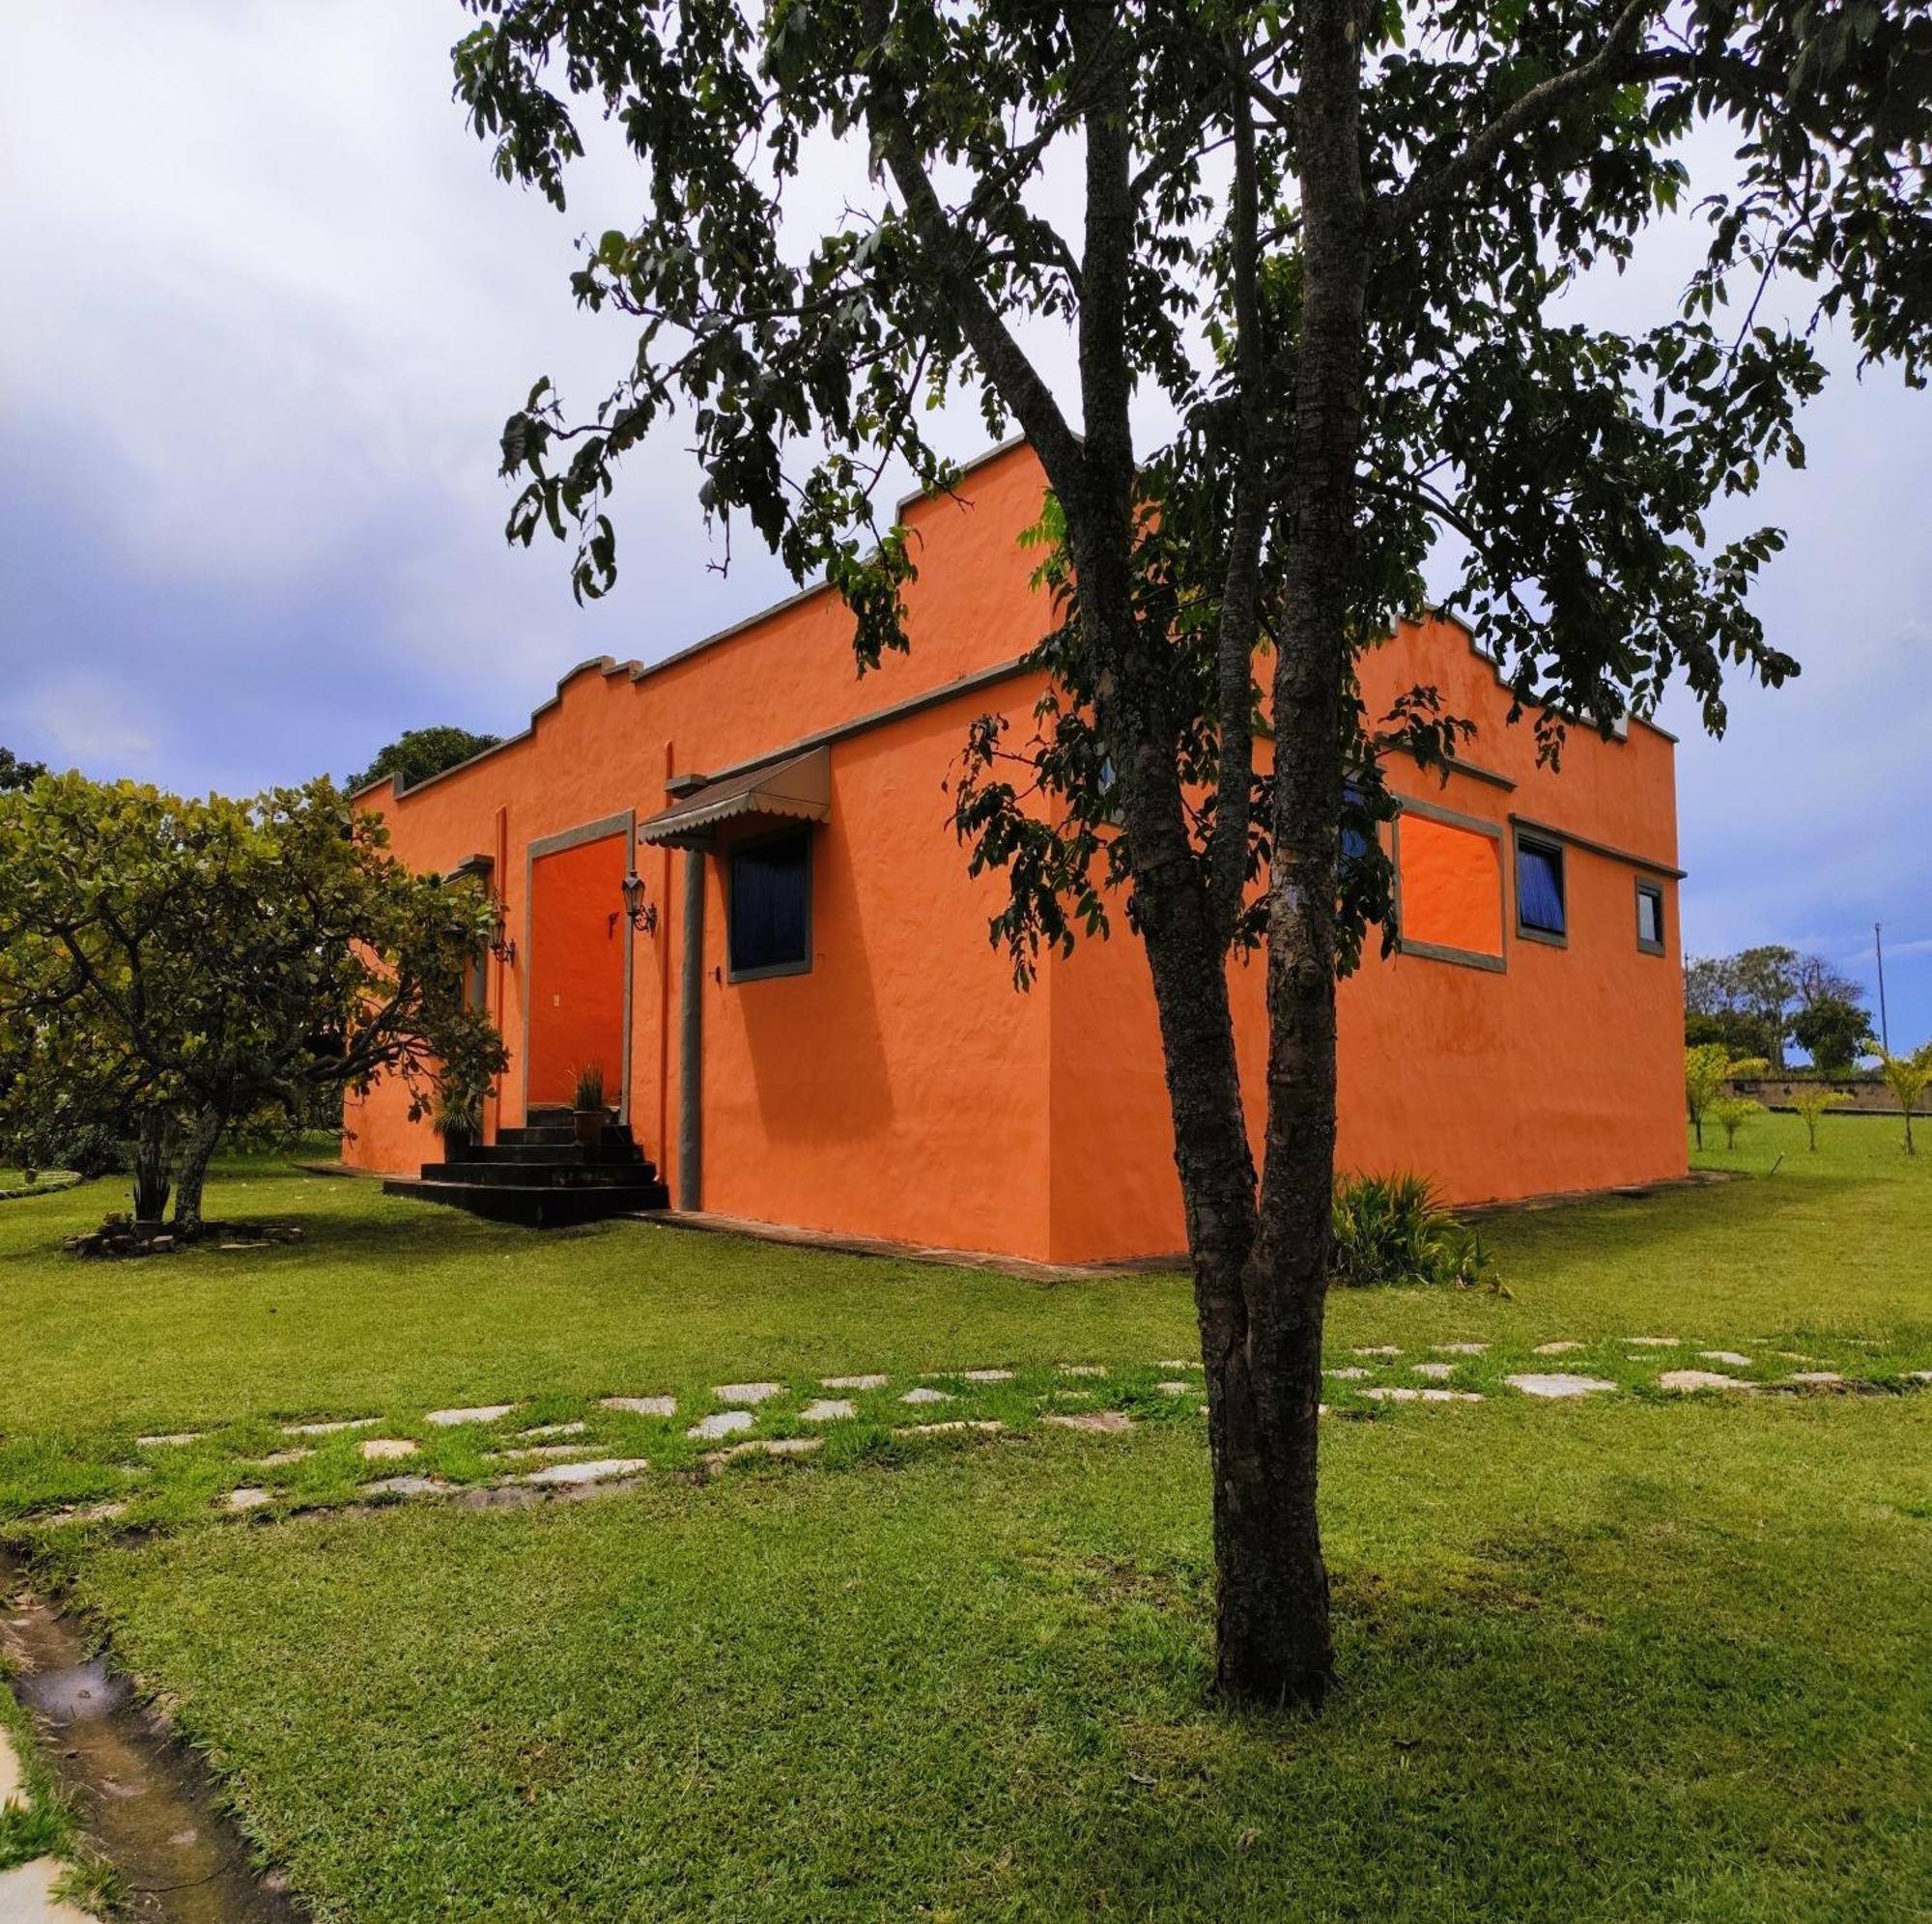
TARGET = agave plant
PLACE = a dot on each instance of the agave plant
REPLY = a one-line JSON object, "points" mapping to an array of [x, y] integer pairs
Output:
{"points": [[1393, 1230]]}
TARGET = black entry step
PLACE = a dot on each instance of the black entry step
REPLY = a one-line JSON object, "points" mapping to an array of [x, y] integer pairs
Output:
{"points": [[535, 1208], [542, 1176]]}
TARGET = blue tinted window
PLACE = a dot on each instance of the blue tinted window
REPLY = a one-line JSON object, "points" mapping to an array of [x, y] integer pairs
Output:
{"points": [[1355, 837], [771, 919], [1539, 888]]}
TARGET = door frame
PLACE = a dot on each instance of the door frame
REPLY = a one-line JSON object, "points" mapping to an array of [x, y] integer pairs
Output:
{"points": [[624, 824]]}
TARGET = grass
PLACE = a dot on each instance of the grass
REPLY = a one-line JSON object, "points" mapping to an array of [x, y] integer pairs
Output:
{"points": [[1643, 1654]]}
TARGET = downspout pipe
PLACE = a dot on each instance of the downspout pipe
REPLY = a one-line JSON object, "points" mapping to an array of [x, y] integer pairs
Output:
{"points": [[691, 1040]]}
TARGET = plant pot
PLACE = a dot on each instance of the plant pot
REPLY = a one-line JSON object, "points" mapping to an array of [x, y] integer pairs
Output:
{"points": [[456, 1143], [589, 1126]]}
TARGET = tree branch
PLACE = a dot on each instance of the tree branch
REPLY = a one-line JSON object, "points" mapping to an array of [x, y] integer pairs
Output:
{"points": [[1609, 65]]}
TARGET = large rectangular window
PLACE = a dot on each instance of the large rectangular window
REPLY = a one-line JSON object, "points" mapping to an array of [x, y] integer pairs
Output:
{"points": [[1650, 917], [1449, 878], [1540, 909], [770, 907]]}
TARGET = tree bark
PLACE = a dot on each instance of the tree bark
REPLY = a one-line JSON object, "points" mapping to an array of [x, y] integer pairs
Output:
{"points": [[197, 1148], [153, 1158]]}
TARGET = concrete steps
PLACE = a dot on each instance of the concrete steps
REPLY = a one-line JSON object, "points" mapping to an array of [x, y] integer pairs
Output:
{"points": [[540, 1175]]}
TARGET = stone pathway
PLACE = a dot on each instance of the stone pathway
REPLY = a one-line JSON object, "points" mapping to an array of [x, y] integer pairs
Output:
{"points": [[760, 1419]]}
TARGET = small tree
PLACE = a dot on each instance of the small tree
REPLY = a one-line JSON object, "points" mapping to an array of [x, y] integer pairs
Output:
{"points": [[1708, 1069], [1907, 1077], [1811, 1101], [1732, 1113], [190, 967]]}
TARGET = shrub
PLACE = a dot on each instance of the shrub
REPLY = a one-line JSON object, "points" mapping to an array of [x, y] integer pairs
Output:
{"points": [[1393, 1230], [589, 1087], [1731, 1113], [1907, 1077]]}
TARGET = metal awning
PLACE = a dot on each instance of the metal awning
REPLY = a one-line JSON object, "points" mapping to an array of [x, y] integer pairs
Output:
{"points": [[798, 790]]}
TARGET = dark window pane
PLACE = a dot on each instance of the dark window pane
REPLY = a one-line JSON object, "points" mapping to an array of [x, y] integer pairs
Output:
{"points": [[1355, 837], [1649, 917], [769, 922], [1539, 888]]}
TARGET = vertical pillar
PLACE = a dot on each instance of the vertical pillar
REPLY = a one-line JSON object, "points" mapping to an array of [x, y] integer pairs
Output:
{"points": [[691, 1040]]}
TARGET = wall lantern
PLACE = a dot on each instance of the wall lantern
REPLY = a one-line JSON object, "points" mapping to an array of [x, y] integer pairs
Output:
{"points": [[502, 946], [642, 914]]}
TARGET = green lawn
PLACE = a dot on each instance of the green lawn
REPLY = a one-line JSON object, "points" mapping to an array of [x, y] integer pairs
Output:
{"points": [[1644, 1654]]}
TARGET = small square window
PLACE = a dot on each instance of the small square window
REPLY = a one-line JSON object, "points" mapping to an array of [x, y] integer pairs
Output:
{"points": [[1540, 910], [770, 907], [1650, 917]]}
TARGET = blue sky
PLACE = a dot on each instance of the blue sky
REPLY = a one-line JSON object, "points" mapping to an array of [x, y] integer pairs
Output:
{"points": [[263, 309]]}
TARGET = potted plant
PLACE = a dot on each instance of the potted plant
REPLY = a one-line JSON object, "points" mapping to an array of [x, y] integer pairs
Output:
{"points": [[589, 1105], [459, 1121]]}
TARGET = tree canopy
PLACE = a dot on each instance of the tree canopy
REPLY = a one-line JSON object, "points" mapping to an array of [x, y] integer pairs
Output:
{"points": [[1758, 999], [15, 773], [178, 968], [418, 753], [1280, 295]]}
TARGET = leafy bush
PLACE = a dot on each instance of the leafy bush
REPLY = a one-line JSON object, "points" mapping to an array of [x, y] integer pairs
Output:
{"points": [[1732, 1113], [1393, 1230]]}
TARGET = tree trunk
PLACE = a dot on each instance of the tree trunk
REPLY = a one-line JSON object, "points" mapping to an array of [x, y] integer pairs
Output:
{"points": [[197, 1148], [153, 1158], [1274, 1639]]}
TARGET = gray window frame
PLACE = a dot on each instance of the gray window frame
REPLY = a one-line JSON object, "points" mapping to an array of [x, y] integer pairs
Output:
{"points": [[728, 855], [1648, 886], [1546, 845], [1437, 952]]}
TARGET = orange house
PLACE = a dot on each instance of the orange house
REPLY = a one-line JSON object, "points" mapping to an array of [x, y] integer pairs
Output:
{"points": [[812, 1028]]}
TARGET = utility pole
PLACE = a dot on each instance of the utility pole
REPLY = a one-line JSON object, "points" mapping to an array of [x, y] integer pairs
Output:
{"points": [[1878, 944]]}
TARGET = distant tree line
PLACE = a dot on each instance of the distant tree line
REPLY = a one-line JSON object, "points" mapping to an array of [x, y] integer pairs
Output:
{"points": [[1760, 1000]]}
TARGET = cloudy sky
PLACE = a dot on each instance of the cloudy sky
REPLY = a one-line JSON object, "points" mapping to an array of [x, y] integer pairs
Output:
{"points": [[263, 310]]}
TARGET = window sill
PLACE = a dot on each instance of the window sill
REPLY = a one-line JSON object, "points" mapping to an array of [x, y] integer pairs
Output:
{"points": [[1462, 958], [1542, 935]]}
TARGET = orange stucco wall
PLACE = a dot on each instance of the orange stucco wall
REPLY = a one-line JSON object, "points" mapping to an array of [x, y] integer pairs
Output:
{"points": [[901, 1087]]}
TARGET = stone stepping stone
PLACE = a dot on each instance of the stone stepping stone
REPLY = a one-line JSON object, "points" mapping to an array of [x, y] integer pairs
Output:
{"points": [[956, 1426], [450, 1418], [1792, 1356], [382, 1448], [249, 1497], [1175, 1389], [985, 1375], [637, 1407], [922, 1394], [721, 1423], [828, 1409], [1081, 1368], [173, 1442], [1655, 1342], [1348, 1375], [853, 1383], [278, 1459], [1380, 1349], [746, 1393], [558, 1430], [556, 1450], [601, 1470], [1699, 1379], [13, 1778], [1921, 1375], [1398, 1393], [1459, 1349], [1817, 1379], [765, 1446], [1562, 1348], [1729, 1356], [405, 1486], [329, 1429], [1557, 1385], [1439, 1373], [1179, 1363], [83, 1513], [1095, 1422]]}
